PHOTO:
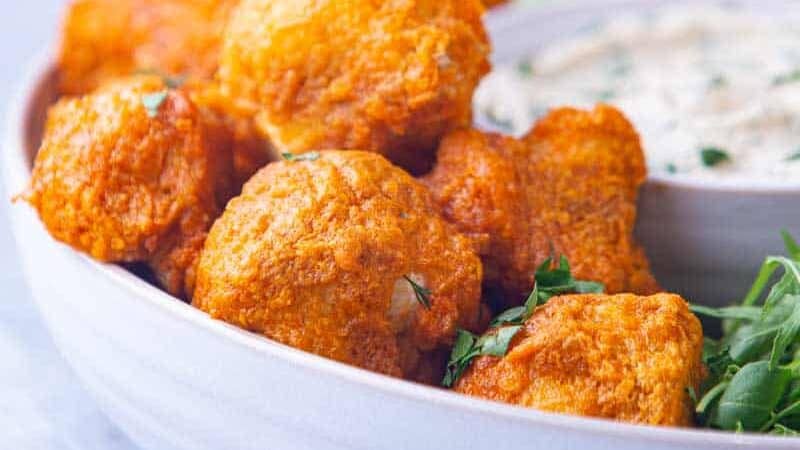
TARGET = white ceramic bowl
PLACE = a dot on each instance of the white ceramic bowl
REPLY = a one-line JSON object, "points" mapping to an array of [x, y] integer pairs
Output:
{"points": [[705, 240], [172, 378]]}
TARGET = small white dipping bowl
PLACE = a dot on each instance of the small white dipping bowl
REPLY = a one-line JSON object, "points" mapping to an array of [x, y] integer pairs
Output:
{"points": [[706, 240], [173, 379]]}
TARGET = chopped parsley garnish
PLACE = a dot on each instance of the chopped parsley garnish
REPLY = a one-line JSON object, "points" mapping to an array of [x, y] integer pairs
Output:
{"points": [[786, 78], [525, 68], [794, 156], [550, 281], [310, 156], [672, 168], [422, 293], [606, 95], [717, 81], [469, 346], [754, 369], [494, 119], [713, 156], [153, 102]]}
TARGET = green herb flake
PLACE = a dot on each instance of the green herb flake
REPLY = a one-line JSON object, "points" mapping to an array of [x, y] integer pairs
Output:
{"points": [[794, 156], [713, 156], [422, 293], [469, 347], [310, 156], [717, 81], [525, 68], [672, 168], [786, 78], [502, 123], [153, 102]]}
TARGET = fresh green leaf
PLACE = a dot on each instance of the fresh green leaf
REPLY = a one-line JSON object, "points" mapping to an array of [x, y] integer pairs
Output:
{"points": [[713, 156], [750, 313], [751, 397], [589, 287], [781, 430], [153, 102], [460, 357], [464, 343], [468, 347], [550, 281], [310, 156], [496, 344], [422, 293], [787, 334], [792, 247], [710, 397]]}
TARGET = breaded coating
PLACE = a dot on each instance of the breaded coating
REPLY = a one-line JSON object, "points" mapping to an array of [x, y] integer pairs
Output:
{"points": [[251, 151], [569, 187], [105, 39], [390, 77], [122, 186], [314, 254], [493, 3], [620, 357]]}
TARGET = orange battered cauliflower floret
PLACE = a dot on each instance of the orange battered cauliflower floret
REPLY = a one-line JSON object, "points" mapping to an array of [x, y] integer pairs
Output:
{"points": [[125, 183], [569, 187], [620, 357], [106, 39], [390, 77], [315, 254]]}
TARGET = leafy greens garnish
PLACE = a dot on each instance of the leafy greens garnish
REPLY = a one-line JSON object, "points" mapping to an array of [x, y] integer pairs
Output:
{"points": [[152, 102], [713, 156], [310, 156], [422, 293], [754, 369], [550, 281]]}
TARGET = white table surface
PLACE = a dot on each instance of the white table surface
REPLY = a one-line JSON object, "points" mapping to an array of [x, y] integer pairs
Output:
{"points": [[42, 405]]}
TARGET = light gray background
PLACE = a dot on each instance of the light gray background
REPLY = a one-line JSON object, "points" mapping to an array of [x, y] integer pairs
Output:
{"points": [[42, 406]]}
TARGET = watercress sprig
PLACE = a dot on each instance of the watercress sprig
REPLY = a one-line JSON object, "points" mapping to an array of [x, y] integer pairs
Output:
{"points": [[754, 369]]}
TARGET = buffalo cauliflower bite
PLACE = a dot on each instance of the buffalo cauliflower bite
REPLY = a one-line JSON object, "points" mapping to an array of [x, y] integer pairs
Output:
{"points": [[132, 174], [105, 39], [621, 357], [335, 253], [569, 187], [390, 77]]}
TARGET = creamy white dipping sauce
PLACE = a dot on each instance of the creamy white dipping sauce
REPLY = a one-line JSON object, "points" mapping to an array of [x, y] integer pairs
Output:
{"points": [[694, 82]]}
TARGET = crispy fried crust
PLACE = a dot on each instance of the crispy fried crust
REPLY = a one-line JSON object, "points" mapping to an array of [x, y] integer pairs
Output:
{"points": [[105, 39], [569, 187], [622, 357], [124, 187], [313, 253], [390, 77]]}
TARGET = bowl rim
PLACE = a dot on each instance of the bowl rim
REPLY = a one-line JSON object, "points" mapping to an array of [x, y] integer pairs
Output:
{"points": [[513, 16], [16, 173]]}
